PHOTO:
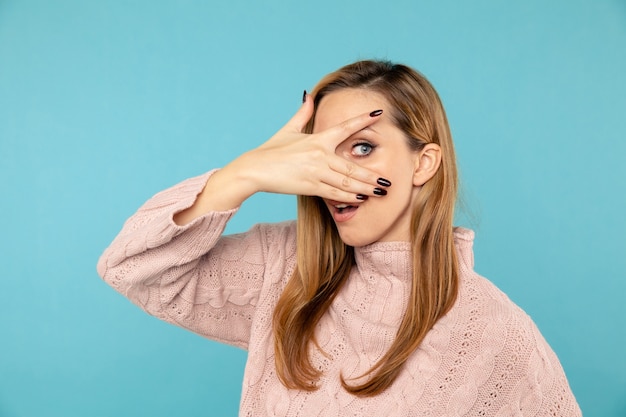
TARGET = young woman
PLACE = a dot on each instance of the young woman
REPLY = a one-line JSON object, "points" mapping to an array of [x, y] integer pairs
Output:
{"points": [[367, 304]]}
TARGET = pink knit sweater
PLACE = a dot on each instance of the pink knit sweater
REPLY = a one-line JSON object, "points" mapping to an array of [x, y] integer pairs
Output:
{"points": [[484, 358]]}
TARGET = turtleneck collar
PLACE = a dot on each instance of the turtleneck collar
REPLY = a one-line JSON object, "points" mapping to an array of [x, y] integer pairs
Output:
{"points": [[388, 259], [394, 259]]}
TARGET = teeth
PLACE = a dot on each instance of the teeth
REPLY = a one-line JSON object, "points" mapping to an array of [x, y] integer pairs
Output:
{"points": [[342, 206]]}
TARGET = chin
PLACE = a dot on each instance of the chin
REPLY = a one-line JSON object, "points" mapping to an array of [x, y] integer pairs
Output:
{"points": [[356, 241]]}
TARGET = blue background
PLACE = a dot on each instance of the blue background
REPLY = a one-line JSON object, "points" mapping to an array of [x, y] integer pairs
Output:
{"points": [[104, 103]]}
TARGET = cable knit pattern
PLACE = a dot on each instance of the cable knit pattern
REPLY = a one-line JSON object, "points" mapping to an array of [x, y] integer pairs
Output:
{"points": [[484, 358]]}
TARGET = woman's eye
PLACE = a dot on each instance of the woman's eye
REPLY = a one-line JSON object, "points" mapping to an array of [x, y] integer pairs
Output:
{"points": [[362, 149]]}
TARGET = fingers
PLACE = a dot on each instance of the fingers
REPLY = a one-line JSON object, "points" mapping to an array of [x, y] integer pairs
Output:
{"points": [[348, 174], [312, 165], [345, 175], [351, 180], [302, 116], [329, 192], [337, 192], [337, 134]]}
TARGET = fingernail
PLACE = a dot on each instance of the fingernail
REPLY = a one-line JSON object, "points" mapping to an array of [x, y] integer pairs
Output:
{"points": [[376, 113], [380, 191], [361, 197], [383, 182], [304, 96]]}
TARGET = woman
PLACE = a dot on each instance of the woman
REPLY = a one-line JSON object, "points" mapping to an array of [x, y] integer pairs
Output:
{"points": [[367, 304]]}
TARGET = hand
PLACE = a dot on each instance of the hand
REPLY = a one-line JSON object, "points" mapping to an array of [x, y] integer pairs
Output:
{"points": [[292, 162]]}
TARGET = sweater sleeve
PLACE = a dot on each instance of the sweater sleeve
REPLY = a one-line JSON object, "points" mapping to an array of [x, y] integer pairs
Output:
{"points": [[191, 275]]}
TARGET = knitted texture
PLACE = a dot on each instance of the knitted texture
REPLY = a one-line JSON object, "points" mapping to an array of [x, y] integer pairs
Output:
{"points": [[484, 358]]}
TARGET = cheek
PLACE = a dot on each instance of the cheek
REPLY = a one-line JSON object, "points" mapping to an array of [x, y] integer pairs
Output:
{"points": [[400, 173]]}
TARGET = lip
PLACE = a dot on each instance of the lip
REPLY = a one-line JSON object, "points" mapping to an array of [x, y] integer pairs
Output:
{"points": [[341, 215]]}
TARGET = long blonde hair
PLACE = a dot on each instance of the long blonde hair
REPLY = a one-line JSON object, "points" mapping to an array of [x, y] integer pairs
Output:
{"points": [[324, 261]]}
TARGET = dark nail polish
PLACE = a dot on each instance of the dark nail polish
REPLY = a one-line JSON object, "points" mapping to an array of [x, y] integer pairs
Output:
{"points": [[361, 197], [383, 182], [380, 191], [304, 96], [376, 113]]}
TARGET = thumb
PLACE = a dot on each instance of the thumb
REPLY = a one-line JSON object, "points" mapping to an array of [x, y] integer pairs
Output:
{"points": [[303, 115]]}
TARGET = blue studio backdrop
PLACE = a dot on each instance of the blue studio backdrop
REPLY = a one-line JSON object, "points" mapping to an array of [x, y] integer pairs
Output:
{"points": [[104, 103]]}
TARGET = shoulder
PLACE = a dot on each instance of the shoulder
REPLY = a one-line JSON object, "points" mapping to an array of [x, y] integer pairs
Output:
{"points": [[269, 233], [498, 324], [506, 353], [279, 235], [481, 301], [512, 359], [277, 242], [477, 294]]}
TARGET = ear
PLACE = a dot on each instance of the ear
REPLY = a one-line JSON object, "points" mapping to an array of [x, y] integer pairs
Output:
{"points": [[427, 163]]}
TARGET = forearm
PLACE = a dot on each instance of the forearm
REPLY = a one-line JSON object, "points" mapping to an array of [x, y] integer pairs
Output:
{"points": [[178, 273], [152, 229], [225, 190], [292, 162]]}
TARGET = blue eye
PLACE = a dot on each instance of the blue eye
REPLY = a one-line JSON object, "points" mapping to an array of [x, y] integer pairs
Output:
{"points": [[362, 149]]}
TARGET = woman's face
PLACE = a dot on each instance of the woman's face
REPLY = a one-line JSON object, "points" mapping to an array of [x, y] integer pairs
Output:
{"points": [[383, 148]]}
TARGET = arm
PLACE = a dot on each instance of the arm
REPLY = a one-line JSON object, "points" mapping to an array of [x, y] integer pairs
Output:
{"points": [[291, 162], [169, 257], [188, 275]]}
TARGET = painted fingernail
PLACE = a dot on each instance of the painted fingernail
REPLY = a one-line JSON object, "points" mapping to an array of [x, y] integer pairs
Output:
{"points": [[380, 191], [376, 113], [361, 197], [304, 96], [383, 182]]}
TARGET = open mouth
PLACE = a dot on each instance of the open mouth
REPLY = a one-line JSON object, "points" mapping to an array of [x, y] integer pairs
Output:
{"points": [[344, 207], [342, 212]]}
